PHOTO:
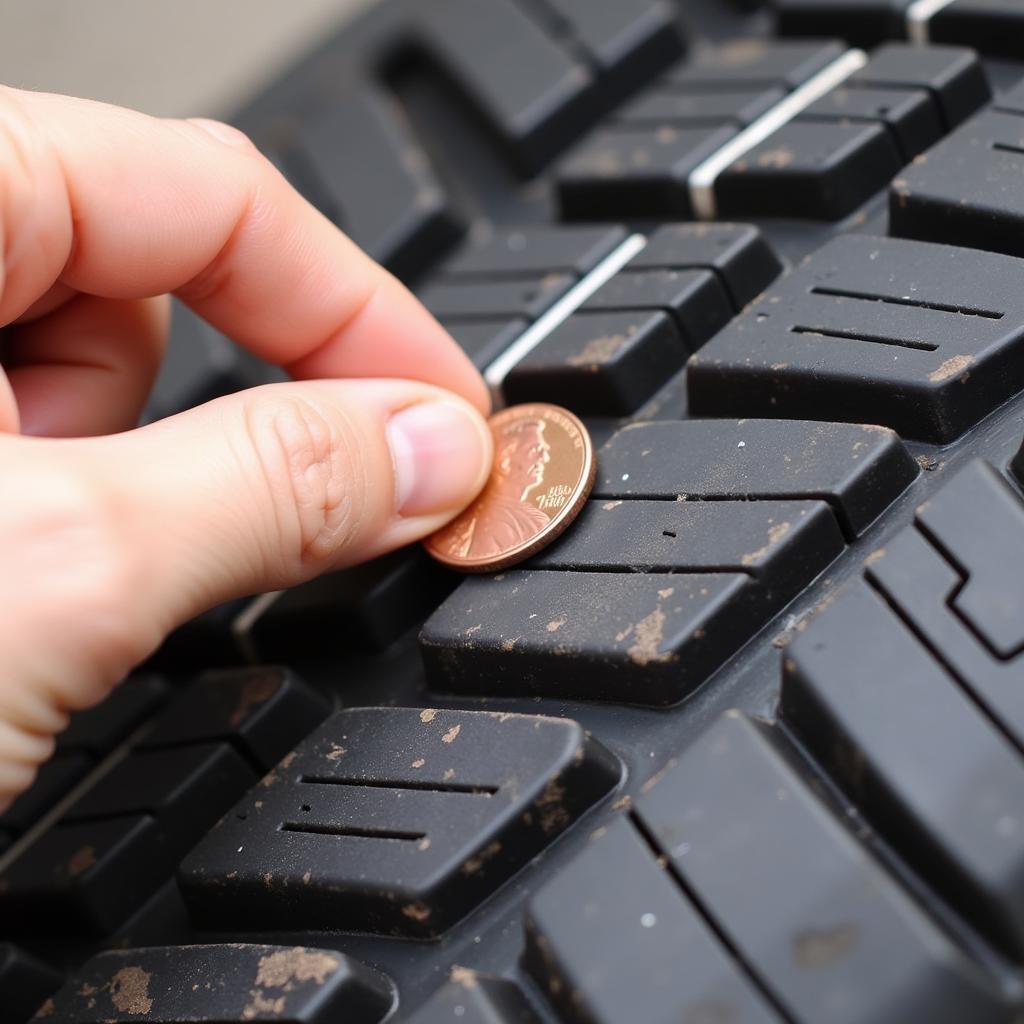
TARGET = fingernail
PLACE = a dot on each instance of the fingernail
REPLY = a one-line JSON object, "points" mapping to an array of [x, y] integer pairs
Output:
{"points": [[441, 452]]}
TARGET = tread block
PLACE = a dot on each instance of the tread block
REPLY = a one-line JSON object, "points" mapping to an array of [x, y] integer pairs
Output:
{"points": [[663, 106], [641, 600], [627, 39], [365, 607], [756, 62], [862, 22], [694, 299], [598, 53], [186, 789], [618, 172], [532, 251], [602, 364], [262, 711], [472, 998], [993, 26], [138, 821], [632, 638], [991, 560], [809, 169], [782, 540], [219, 985], [99, 729], [738, 254], [953, 75], [859, 470], [468, 300], [90, 876], [612, 937], [920, 338], [195, 761], [963, 190], [54, 779], [960, 586], [937, 616], [911, 116], [856, 683], [485, 53], [797, 897], [484, 340], [204, 642], [395, 820], [382, 192]]}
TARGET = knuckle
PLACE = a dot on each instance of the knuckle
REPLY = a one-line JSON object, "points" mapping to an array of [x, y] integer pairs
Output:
{"points": [[218, 275], [249, 170], [314, 476]]}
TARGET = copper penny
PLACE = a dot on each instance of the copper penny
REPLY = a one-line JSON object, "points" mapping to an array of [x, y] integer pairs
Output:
{"points": [[543, 472]]}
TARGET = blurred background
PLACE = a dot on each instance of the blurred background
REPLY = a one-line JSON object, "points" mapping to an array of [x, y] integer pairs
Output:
{"points": [[189, 57]]}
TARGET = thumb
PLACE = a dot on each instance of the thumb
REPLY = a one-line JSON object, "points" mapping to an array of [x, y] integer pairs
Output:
{"points": [[267, 488], [109, 543]]}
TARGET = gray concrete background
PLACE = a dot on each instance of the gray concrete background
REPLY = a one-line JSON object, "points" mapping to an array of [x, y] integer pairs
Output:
{"points": [[167, 57]]}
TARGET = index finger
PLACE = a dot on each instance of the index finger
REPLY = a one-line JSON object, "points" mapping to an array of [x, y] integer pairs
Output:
{"points": [[118, 204]]}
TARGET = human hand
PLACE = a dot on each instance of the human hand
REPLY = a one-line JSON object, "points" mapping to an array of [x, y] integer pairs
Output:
{"points": [[109, 540]]}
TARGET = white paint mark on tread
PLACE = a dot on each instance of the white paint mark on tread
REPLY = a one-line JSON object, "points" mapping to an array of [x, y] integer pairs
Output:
{"points": [[702, 179], [496, 373]]}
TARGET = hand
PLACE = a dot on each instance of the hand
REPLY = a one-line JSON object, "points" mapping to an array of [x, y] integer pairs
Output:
{"points": [[109, 540]]}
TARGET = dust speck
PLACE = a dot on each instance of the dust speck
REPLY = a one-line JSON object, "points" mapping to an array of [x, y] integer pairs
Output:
{"points": [[298, 964], [598, 351], [822, 947], [775, 534], [875, 556], [952, 367], [129, 991], [648, 634], [81, 860], [463, 976], [778, 158], [474, 864], [260, 1004], [416, 911]]}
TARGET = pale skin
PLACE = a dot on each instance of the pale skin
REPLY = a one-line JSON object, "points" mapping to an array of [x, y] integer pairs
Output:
{"points": [[112, 536]]}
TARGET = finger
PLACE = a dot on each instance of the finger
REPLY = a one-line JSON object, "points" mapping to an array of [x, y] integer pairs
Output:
{"points": [[87, 367], [286, 481], [117, 204]]}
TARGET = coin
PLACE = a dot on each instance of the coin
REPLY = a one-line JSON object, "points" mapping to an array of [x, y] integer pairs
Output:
{"points": [[543, 472]]}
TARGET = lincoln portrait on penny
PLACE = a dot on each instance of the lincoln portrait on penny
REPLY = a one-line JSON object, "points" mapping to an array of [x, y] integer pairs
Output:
{"points": [[507, 518]]}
